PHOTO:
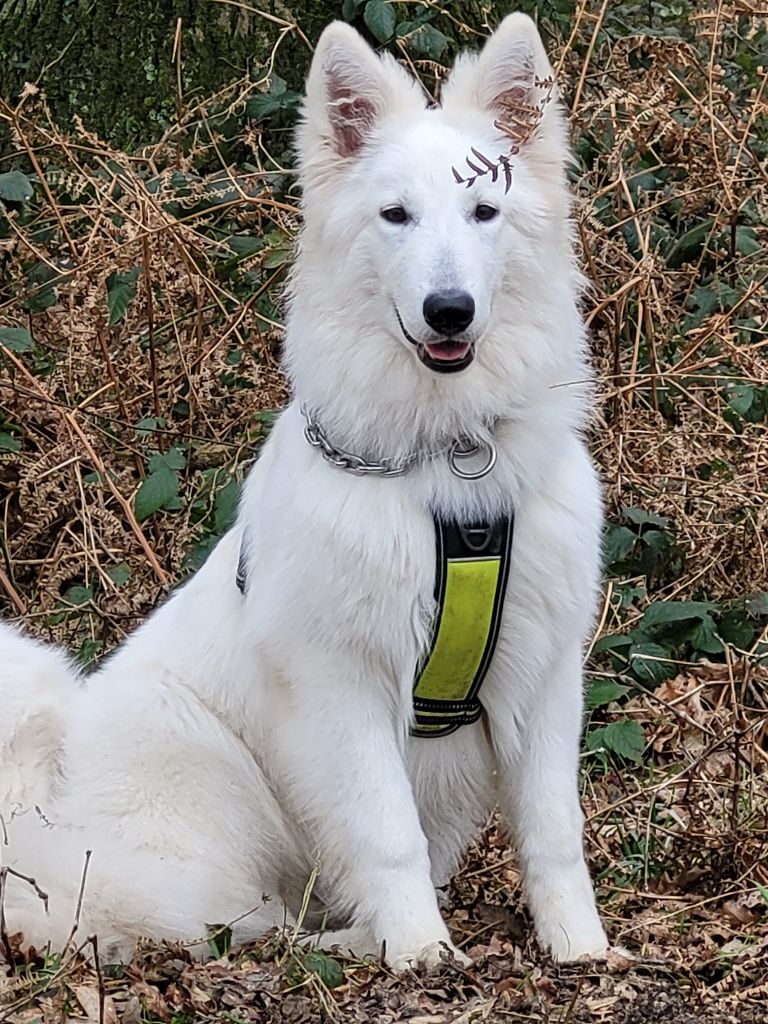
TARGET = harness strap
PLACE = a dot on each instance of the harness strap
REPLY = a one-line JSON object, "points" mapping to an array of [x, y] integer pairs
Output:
{"points": [[471, 572], [470, 583]]}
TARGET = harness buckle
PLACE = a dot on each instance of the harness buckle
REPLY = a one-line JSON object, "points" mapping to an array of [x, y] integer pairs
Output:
{"points": [[477, 536]]}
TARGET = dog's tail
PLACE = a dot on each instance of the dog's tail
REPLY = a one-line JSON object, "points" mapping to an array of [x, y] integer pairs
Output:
{"points": [[37, 690]]}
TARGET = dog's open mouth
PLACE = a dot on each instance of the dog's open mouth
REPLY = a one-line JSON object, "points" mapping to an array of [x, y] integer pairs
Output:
{"points": [[447, 356]]}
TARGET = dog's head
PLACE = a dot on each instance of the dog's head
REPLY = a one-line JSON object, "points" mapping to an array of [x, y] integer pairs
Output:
{"points": [[432, 225]]}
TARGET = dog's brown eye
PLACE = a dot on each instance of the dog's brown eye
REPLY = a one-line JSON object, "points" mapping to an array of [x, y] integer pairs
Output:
{"points": [[485, 212], [395, 215]]}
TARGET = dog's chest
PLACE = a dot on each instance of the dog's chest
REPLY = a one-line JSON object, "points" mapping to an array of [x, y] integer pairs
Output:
{"points": [[385, 565], [350, 570]]}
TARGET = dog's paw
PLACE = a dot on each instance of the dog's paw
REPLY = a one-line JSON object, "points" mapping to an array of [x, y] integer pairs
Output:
{"points": [[588, 941], [431, 955]]}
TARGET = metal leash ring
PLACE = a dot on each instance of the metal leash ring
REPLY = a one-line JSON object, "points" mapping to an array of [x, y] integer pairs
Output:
{"points": [[459, 452]]}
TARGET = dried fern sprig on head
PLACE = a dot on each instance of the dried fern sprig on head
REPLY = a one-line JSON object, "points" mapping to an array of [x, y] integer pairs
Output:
{"points": [[518, 121]]}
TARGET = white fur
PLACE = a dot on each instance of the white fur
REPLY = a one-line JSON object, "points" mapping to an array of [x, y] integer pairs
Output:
{"points": [[233, 740]]}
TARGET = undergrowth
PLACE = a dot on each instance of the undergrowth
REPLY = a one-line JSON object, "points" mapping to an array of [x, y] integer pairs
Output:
{"points": [[140, 325]]}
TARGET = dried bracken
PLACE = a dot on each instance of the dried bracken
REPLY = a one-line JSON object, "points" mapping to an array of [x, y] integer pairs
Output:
{"points": [[520, 114], [670, 128]]}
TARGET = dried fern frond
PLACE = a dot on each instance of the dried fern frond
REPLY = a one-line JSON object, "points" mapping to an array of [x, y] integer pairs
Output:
{"points": [[519, 121], [491, 167]]}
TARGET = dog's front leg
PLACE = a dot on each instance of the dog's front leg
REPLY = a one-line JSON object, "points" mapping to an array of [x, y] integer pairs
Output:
{"points": [[336, 743], [538, 768]]}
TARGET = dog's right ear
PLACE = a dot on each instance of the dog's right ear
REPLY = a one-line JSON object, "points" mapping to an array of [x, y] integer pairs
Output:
{"points": [[349, 88]]}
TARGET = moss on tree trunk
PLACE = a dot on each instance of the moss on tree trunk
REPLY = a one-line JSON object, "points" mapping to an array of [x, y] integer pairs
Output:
{"points": [[112, 61]]}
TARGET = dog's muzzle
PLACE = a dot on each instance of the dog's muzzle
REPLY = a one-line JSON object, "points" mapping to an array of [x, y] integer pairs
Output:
{"points": [[447, 355]]}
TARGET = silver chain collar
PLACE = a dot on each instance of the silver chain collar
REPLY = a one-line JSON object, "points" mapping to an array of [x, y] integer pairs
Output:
{"points": [[461, 450]]}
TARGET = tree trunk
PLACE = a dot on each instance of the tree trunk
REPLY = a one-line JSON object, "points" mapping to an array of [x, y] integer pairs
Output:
{"points": [[114, 62]]}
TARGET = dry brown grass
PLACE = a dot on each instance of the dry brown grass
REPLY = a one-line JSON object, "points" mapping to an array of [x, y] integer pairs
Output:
{"points": [[679, 843]]}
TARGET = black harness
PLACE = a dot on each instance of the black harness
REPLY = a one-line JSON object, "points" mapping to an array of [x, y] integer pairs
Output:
{"points": [[471, 573]]}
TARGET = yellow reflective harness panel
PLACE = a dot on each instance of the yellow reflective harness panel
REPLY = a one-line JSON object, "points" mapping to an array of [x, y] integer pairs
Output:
{"points": [[471, 580], [472, 566]]}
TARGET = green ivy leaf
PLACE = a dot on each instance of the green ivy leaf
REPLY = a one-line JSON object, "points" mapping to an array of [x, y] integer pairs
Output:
{"points": [[658, 553], [245, 245], [430, 41], [349, 9], [174, 458], [705, 301], [746, 240], [149, 424], [687, 246], [8, 443], [156, 491], [618, 544], [225, 506], [278, 97], [41, 288], [618, 642], [381, 19], [603, 691], [662, 613], [325, 967], [121, 290], [740, 398], [736, 629], [277, 258], [704, 638], [640, 517], [626, 739], [15, 187], [89, 651], [17, 339], [262, 105], [119, 574], [651, 663], [277, 85]]}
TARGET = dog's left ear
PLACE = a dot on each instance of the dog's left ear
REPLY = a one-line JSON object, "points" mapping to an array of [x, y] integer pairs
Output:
{"points": [[512, 79], [349, 90]]}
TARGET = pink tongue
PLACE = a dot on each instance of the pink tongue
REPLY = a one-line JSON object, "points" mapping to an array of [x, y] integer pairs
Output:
{"points": [[448, 351]]}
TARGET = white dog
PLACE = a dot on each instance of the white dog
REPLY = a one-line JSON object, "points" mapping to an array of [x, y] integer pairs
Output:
{"points": [[261, 719]]}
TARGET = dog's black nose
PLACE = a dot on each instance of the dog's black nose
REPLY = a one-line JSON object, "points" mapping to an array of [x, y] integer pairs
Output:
{"points": [[449, 312]]}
